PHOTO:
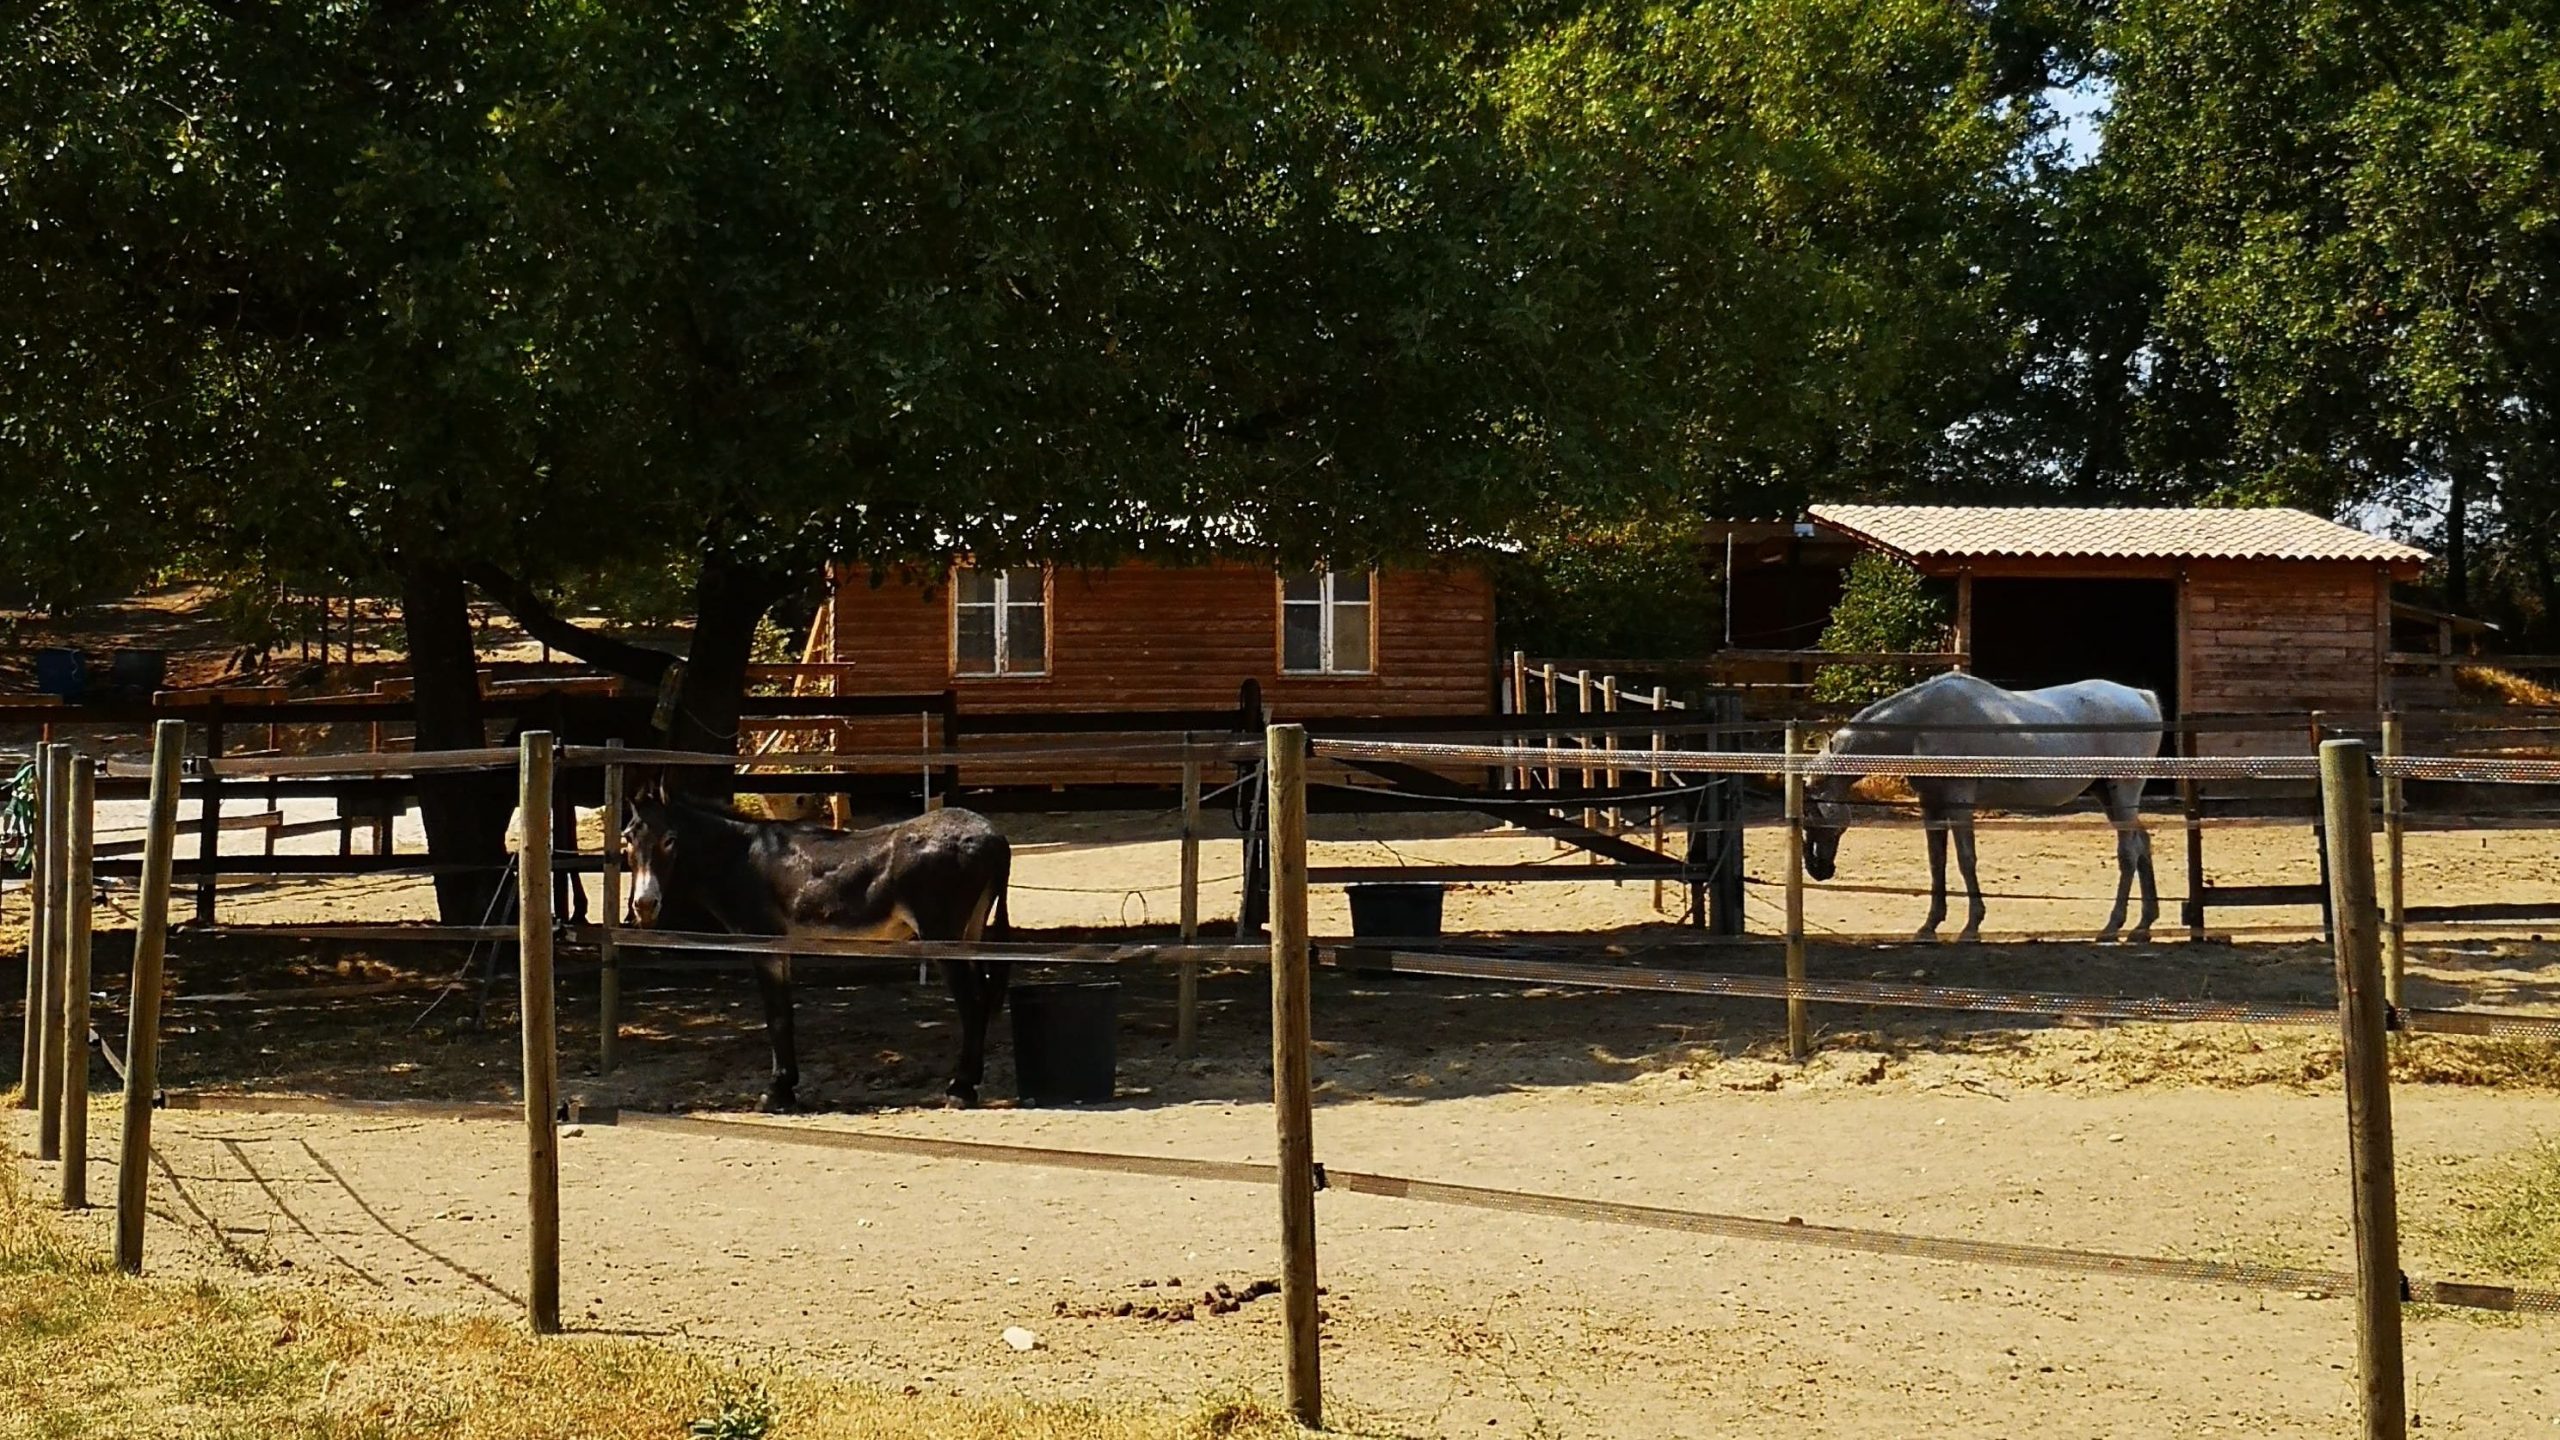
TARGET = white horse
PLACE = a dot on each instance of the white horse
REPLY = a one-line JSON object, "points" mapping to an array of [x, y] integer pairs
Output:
{"points": [[1959, 714]]}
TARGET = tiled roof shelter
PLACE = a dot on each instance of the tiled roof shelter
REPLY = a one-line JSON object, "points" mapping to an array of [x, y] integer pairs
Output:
{"points": [[2219, 611], [1962, 533]]}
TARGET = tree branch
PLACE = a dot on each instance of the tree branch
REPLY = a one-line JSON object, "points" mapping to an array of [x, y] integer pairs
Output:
{"points": [[635, 662]]}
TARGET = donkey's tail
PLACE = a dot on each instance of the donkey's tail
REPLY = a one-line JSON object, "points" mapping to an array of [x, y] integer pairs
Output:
{"points": [[1000, 924], [996, 977]]}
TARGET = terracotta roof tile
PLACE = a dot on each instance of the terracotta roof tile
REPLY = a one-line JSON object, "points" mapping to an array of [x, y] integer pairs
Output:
{"points": [[2059, 532]]}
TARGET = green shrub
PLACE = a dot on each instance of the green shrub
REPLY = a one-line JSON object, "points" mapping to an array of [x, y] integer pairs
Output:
{"points": [[1636, 590], [1884, 605]]}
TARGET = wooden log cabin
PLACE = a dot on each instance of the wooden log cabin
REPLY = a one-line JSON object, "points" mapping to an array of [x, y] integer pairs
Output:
{"points": [[2222, 612], [1142, 637]]}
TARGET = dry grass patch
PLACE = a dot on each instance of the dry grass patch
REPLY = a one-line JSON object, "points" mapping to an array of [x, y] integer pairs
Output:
{"points": [[2505, 1217], [86, 1354]]}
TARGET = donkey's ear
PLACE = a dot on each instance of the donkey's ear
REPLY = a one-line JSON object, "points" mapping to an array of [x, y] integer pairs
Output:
{"points": [[649, 785]]}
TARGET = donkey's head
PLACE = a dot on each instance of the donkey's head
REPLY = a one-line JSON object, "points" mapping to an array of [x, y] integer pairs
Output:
{"points": [[649, 847]]}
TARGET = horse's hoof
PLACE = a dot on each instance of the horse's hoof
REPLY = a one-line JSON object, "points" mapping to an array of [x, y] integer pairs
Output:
{"points": [[2138, 937], [958, 1099], [780, 1102], [2106, 937], [1968, 937]]}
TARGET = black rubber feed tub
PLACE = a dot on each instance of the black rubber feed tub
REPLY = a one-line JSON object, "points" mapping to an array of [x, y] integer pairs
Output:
{"points": [[1395, 909], [1065, 1041]]}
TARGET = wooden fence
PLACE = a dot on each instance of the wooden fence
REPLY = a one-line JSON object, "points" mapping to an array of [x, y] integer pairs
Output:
{"points": [[2364, 1017]]}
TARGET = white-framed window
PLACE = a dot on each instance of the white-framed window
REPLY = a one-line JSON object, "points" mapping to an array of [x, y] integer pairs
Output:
{"points": [[999, 622], [1325, 623]]}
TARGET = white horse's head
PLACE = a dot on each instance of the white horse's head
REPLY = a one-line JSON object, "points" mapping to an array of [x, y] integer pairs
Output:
{"points": [[1826, 814]]}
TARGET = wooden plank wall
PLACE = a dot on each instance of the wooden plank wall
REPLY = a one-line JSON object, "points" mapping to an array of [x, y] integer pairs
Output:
{"points": [[2294, 636], [1141, 637], [1161, 638]]}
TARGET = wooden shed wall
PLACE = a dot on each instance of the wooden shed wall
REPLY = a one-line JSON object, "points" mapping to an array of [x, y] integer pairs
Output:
{"points": [[2293, 636], [1142, 637], [2256, 636]]}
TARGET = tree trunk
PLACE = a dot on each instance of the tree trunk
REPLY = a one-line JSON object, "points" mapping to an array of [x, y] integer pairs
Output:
{"points": [[730, 599], [465, 814], [2546, 584]]}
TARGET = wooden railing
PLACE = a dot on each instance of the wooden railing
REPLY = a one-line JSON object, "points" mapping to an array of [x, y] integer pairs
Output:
{"points": [[2445, 664]]}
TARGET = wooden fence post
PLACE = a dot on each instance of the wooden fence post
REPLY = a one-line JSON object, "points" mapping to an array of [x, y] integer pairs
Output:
{"points": [[79, 918], [31, 1046], [142, 1000], [57, 931], [2191, 801], [2346, 801], [2394, 839], [1653, 779], [209, 823], [1520, 706], [2320, 844], [1798, 1042], [924, 739], [1609, 746], [608, 952], [1582, 711], [1186, 1017], [541, 1063], [1555, 704], [1292, 1067]]}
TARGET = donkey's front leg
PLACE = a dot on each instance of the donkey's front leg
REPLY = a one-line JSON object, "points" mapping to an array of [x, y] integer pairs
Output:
{"points": [[773, 979], [962, 977]]}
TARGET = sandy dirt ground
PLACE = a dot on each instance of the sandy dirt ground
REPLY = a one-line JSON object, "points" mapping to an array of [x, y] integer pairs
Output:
{"points": [[2208, 1141], [1443, 1322]]}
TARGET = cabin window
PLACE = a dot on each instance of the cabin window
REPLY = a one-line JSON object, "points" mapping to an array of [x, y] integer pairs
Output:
{"points": [[1324, 623], [999, 623]]}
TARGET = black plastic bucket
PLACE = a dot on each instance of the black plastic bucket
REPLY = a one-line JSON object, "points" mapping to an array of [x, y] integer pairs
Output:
{"points": [[1395, 909], [1065, 1040], [138, 674]]}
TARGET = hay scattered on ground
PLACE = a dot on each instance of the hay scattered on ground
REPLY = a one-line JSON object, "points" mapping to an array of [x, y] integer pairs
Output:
{"points": [[2505, 687]]}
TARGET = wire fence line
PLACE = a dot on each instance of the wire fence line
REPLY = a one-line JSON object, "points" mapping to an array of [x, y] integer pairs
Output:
{"points": [[1761, 1229], [2484, 769], [1886, 994], [2478, 769]]}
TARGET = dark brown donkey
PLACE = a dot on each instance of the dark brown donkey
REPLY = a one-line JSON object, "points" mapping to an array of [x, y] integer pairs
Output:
{"points": [[940, 876]]}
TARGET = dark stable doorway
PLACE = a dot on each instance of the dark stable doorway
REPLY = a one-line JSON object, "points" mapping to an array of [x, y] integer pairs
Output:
{"points": [[2032, 633]]}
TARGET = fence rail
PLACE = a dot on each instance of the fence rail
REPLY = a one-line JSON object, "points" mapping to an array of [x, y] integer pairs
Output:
{"points": [[2344, 769]]}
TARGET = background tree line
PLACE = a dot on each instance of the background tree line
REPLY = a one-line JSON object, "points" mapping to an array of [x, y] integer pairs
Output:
{"points": [[537, 302]]}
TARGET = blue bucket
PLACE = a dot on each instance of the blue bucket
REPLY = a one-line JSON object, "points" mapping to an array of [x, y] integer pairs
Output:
{"points": [[62, 672]]}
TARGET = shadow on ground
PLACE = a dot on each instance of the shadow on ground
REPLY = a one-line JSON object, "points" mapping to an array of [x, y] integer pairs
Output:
{"points": [[364, 1021]]}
